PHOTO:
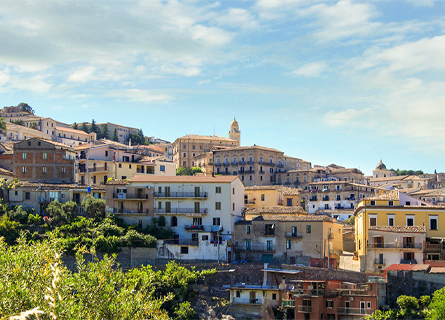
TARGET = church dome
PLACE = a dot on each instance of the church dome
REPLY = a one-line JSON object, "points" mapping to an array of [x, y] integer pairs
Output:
{"points": [[381, 166], [234, 123]]}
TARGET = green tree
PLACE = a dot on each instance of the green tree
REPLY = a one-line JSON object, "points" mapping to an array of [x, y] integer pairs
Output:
{"points": [[188, 171], [3, 124], [185, 312], [436, 309], [34, 125], [62, 212], [9, 230], [115, 137], [85, 128], [18, 214], [95, 207], [104, 132], [93, 127], [18, 122], [25, 107], [75, 126]]}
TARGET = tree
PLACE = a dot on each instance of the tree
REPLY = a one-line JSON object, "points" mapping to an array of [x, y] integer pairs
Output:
{"points": [[188, 171], [25, 107], [436, 309], [95, 207], [3, 124], [34, 125], [75, 126], [104, 132], [18, 122], [85, 128], [93, 127], [115, 137]]}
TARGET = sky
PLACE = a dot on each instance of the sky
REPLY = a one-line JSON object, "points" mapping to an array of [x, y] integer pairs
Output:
{"points": [[345, 82]]}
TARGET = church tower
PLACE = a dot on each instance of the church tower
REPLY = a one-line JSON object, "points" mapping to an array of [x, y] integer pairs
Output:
{"points": [[234, 132]]}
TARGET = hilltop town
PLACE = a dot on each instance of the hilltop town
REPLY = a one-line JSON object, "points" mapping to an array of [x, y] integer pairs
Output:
{"points": [[288, 238]]}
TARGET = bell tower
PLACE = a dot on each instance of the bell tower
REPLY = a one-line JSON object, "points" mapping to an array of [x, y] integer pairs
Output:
{"points": [[234, 132]]}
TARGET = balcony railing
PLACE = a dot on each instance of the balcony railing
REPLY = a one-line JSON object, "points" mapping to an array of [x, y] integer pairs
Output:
{"points": [[433, 247], [182, 242], [249, 201], [181, 194], [343, 310], [305, 309], [395, 246], [310, 292], [97, 169], [255, 247], [294, 235], [181, 210], [127, 211], [380, 262], [288, 303], [405, 261], [246, 301], [131, 196], [195, 227]]}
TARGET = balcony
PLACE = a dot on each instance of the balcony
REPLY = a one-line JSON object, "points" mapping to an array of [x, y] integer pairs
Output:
{"points": [[268, 164], [310, 292], [195, 227], [343, 310], [246, 301], [82, 170], [433, 247], [218, 164], [182, 242], [280, 165], [118, 211], [48, 199], [226, 164], [288, 303], [249, 201], [405, 261], [130, 196], [98, 169], [187, 211], [262, 172], [294, 235], [180, 194], [380, 262], [305, 309], [395, 246], [255, 247], [250, 162]]}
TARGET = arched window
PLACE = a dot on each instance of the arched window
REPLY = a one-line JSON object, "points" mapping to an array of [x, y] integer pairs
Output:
{"points": [[174, 222]]}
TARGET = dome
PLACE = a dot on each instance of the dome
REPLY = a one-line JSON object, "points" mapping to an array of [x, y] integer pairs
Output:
{"points": [[234, 123], [381, 166]]}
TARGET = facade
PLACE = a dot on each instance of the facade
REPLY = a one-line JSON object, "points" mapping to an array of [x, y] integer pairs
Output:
{"points": [[381, 171], [105, 159], [43, 160], [123, 132], [269, 196], [332, 196], [7, 155], [396, 209], [256, 165], [334, 300], [186, 148], [16, 132], [201, 210], [72, 137], [273, 238], [38, 195], [393, 245], [251, 213]]}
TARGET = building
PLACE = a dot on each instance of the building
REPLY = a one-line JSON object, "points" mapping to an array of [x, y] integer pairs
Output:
{"points": [[186, 148], [7, 155], [104, 159], [274, 238], [72, 137], [123, 132], [37, 196], [334, 300], [381, 171], [396, 209], [41, 160], [269, 196], [251, 213], [17, 132], [393, 245], [201, 210]]}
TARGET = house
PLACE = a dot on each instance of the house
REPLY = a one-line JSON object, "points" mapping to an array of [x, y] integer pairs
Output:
{"points": [[269, 196], [41, 160], [201, 210], [72, 137], [288, 239], [252, 213], [397, 209], [15, 132]]}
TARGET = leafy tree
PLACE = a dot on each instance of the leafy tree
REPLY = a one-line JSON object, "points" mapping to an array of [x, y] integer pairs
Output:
{"points": [[18, 122], [62, 212], [408, 306], [3, 124], [75, 126], [104, 132], [9, 230], [136, 239], [25, 107], [115, 137], [18, 214], [93, 127], [95, 207], [436, 309], [34, 125], [188, 171], [185, 312], [85, 128]]}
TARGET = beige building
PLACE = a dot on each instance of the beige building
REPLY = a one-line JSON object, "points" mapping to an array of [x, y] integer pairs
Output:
{"points": [[269, 196], [123, 132], [186, 148], [381, 171], [287, 238], [72, 137], [252, 213], [16, 132]]}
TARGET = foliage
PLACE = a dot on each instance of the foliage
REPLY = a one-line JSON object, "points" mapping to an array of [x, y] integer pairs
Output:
{"points": [[137, 138], [84, 127], [136, 239], [34, 125], [108, 228], [351, 220], [95, 207], [62, 212], [409, 308], [9, 230], [407, 172], [106, 244], [3, 124], [75, 126], [103, 134], [18, 122], [25, 107], [115, 137], [18, 214], [436, 309], [157, 229], [185, 312], [93, 127], [181, 171]]}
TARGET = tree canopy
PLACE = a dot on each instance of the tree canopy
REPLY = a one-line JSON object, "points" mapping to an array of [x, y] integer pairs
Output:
{"points": [[25, 107], [181, 171], [407, 172]]}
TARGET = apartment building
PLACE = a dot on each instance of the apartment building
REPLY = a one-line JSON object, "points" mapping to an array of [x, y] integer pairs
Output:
{"points": [[72, 137], [315, 299], [269, 196], [104, 159], [201, 210], [37, 159], [7, 155], [16, 132], [332, 196], [393, 245], [186, 148], [396, 209], [37, 196], [123, 132], [256, 165], [275, 238]]}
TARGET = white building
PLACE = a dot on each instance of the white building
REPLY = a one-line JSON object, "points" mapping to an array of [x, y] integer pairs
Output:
{"points": [[201, 210]]}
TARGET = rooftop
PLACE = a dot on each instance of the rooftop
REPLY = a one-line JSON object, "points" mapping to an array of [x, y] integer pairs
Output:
{"points": [[184, 179], [404, 229]]}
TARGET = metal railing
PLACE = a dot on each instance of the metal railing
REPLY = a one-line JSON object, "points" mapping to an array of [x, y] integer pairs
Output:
{"points": [[294, 235], [255, 247], [305, 309], [433, 247], [98, 169], [381, 262], [393, 245], [181, 210], [288, 303], [141, 196], [343, 310], [246, 301], [182, 242], [181, 194]]}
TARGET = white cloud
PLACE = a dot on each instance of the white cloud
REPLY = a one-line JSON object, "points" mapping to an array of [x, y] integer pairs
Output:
{"points": [[313, 69], [346, 117], [83, 74], [147, 96], [237, 17]]}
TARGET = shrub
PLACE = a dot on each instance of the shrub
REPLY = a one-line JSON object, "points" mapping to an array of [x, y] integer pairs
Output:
{"points": [[136, 239]]}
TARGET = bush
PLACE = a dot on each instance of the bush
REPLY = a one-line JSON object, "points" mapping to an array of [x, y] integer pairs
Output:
{"points": [[136, 239], [108, 228], [185, 312], [106, 244], [18, 214]]}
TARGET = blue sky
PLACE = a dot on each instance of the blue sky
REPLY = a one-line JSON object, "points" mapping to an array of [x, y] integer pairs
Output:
{"points": [[345, 82]]}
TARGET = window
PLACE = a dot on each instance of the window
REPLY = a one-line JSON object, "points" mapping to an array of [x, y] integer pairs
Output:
{"points": [[410, 220], [233, 206], [391, 220], [288, 244], [174, 221], [238, 294], [120, 165], [184, 250], [329, 303], [44, 169], [248, 245], [271, 170], [184, 146], [372, 202], [233, 192], [433, 222], [184, 155], [216, 221], [372, 220], [27, 195], [162, 168], [390, 203], [308, 229], [274, 296], [63, 170], [263, 197], [197, 221], [193, 147], [23, 155], [289, 202], [205, 238], [217, 189], [23, 169], [106, 153], [269, 229], [368, 304], [217, 205], [247, 229], [45, 156]]}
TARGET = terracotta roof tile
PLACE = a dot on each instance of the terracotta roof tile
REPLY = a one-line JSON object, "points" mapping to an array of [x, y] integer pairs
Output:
{"points": [[277, 217], [184, 179], [276, 210], [411, 229]]}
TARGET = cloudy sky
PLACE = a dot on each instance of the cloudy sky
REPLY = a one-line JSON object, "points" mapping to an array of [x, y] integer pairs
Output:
{"points": [[346, 82]]}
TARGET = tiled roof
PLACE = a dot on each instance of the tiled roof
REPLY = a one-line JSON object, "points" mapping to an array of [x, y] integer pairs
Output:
{"points": [[250, 148], [392, 195], [276, 217], [287, 191], [6, 172], [413, 267], [183, 179], [27, 184], [210, 138], [12, 126], [437, 270], [71, 130], [411, 229], [276, 210], [157, 158], [118, 182]]}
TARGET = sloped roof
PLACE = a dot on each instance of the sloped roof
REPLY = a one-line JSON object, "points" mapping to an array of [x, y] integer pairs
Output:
{"points": [[277, 217], [404, 229], [183, 179], [276, 210]]}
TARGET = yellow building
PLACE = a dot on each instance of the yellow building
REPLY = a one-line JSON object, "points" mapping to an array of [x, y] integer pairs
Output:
{"points": [[399, 209], [270, 196]]}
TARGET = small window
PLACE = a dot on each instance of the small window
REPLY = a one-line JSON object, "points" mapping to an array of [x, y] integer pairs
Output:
{"points": [[162, 168], [217, 205], [247, 229], [233, 206], [329, 303], [410, 220], [216, 221], [44, 169], [372, 220], [24, 155], [308, 229], [27, 195], [23, 169], [368, 304], [263, 197], [238, 294], [372, 202], [217, 189], [205, 238], [433, 223], [288, 244], [391, 221], [16, 193], [274, 296], [184, 250], [390, 203], [120, 165], [233, 192], [106, 153], [45, 155]]}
